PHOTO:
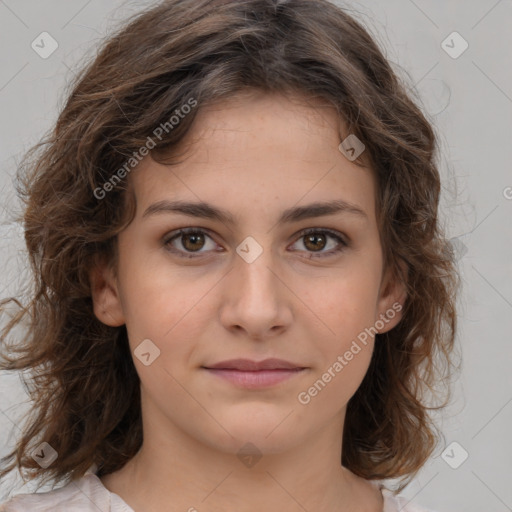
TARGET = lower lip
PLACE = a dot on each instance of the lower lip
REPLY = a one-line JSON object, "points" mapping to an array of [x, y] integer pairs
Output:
{"points": [[255, 379]]}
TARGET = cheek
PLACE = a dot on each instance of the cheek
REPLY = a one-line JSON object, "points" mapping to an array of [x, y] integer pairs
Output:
{"points": [[344, 302], [345, 308], [165, 305], [344, 351], [330, 390]]}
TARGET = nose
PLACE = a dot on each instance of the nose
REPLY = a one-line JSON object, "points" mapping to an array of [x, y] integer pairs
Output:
{"points": [[256, 298]]}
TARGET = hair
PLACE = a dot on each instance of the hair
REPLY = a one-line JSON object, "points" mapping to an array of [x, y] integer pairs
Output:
{"points": [[83, 383]]}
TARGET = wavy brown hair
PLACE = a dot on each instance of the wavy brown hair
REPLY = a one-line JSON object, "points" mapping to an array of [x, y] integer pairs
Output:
{"points": [[83, 383]]}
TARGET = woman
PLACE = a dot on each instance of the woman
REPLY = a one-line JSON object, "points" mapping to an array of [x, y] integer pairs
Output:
{"points": [[243, 292]]}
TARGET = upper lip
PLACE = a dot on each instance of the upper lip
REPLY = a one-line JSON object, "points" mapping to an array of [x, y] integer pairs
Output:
{"points": [[253, 366]]}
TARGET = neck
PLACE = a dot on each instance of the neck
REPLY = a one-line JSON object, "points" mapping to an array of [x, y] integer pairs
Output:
{"points": [[178, 473]]}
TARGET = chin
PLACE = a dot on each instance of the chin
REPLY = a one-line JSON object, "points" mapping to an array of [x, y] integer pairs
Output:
{"points": [[252, 442], [261, 426]]}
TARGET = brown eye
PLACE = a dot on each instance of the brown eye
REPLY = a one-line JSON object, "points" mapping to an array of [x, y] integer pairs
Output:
{"points": [[315, 242], [186, 242], [192, 241]]}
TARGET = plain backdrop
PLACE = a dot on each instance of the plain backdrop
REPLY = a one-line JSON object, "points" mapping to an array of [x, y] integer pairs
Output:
{"points": [[466, 94]]}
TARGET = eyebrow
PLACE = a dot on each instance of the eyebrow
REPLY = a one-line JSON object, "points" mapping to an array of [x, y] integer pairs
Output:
{"points": [[207, 211]]}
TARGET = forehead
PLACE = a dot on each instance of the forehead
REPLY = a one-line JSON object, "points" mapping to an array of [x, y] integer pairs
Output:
{"points": [[256, 119], [257, 148]]}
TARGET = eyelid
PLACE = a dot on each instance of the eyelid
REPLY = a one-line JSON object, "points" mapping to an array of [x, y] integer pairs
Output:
{"points": [[333, 232]]}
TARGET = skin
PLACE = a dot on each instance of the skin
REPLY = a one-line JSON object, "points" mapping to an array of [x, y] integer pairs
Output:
{"points": [[255, 156]]}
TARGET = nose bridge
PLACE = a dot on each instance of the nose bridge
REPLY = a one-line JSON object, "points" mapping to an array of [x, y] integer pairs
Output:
{"points": [[255, 301], [257, 281]]}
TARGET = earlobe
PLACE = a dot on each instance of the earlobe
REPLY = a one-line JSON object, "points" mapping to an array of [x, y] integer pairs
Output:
{"points": [[105, 295]]}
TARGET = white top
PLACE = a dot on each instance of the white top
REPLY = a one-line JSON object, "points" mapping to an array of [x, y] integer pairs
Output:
{"points": [[88, 494]]}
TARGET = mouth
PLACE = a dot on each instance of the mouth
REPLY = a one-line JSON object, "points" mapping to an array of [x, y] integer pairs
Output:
{"points": [[253, 374]]}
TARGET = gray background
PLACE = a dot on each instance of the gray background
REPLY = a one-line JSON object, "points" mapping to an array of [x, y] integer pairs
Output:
{"points": [[469, 99]]}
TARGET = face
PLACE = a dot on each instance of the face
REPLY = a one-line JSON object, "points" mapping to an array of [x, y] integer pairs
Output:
{"points": [[269, 277]]}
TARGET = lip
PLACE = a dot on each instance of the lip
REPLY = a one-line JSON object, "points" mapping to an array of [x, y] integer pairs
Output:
{"points": [[247, 365], [255, 374]]}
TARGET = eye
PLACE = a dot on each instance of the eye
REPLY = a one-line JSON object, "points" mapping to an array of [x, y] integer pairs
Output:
{"points": [[191, 240], [315, 240]]}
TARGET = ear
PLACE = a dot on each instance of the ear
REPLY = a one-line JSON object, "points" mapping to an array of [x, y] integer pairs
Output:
{"points": [[392, 297], [105, 294]]}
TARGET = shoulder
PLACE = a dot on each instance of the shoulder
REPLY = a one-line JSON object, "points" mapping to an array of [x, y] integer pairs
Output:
{"points": [[397, 503], [83, 495]]}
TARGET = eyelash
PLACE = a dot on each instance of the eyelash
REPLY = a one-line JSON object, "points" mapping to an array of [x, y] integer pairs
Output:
{"points": [[187, 231]]}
